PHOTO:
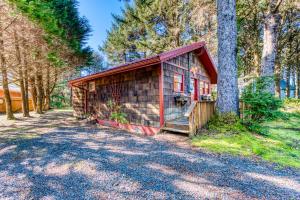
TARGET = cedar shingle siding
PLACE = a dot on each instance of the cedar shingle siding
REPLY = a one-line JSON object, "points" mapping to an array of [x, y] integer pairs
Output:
{"points": [[137, 92], [78, 99], [179, 65], [146, 97]]}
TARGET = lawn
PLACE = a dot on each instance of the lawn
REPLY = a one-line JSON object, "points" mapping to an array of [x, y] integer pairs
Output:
{"points": [[281, 145]]}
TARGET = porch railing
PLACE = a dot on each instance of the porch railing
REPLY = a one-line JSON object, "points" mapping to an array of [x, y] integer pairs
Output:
{"points": [[198, 114]]}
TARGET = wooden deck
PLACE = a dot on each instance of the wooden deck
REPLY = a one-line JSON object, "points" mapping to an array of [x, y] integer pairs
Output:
{"points": [[197, 116]]}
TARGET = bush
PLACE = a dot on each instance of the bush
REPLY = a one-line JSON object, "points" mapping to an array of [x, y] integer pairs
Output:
{"points": [[119, 117], [58, 101], [260, 105], [225, 123], [115, 112]]}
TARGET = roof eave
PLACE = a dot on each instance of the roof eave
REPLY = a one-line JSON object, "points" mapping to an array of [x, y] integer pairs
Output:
{"points": [[116, 70]]}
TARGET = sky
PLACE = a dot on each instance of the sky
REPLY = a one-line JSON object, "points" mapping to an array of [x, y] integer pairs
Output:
{"points": [[98, 12]]}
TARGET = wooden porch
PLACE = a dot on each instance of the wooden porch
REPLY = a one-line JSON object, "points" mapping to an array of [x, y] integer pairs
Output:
{"points": [[197, 116]]}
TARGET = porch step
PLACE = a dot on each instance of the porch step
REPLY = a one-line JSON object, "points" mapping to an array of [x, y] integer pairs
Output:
{"points": [[180, 125], [175, 130]]}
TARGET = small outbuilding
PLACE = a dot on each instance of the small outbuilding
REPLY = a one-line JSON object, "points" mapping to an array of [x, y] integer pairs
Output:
{"points": [[153, 93], [16, 100]]}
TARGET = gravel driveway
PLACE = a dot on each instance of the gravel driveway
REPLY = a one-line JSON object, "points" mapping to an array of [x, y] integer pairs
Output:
{"points": [[56, 157]]}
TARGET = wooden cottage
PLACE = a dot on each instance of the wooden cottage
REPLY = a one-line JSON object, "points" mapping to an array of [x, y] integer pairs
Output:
{"points": [[168, 91], [16, 100]]}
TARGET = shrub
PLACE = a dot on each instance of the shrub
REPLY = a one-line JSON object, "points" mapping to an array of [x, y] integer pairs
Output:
{"points": [[57, 101], [115, 112], [260, 105], [119, 117], [225, 123]]}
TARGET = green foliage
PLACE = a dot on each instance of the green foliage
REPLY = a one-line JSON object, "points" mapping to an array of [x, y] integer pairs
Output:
{"points": [[260, 105], [225, 123], [119, 117], [115, 112], [59, 18], [61, 96], [214, 95], [280, 145], [57, 101], [148, 27]]}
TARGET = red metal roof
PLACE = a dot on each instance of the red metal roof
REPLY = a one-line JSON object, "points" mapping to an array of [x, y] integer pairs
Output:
{"points": [[198, 47]]}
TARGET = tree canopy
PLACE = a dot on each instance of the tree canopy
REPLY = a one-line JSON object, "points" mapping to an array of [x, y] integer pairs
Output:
{"points": [[42, 42]]}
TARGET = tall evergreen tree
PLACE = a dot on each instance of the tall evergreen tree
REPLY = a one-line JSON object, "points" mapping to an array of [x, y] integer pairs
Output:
{"points": [[40, 41], [227, 51], [271, 22]]}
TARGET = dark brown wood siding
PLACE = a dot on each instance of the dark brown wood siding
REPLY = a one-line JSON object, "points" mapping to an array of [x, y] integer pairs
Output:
{"points": [[78, 101], [137, 92]]}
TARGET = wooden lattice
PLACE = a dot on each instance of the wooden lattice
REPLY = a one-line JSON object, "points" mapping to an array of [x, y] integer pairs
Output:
{"points": [[115, 90]]}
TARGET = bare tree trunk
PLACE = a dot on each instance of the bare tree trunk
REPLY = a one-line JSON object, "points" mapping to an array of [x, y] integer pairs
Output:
{"points": [[20, 73], [228, 99], [8, 104], [26, 89], [47, 89], [33, 92], [271, 21], [39, 89]]}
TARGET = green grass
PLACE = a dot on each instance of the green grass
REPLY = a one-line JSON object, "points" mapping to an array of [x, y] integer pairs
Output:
{"points": [[281, 145]]}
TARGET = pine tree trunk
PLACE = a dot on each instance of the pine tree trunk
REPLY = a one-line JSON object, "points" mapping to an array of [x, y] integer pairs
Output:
{"points": [[228, 99], [47, 89], [20, 73], [33, 93], [39, 90], [271, 20], [297, 72], [26, 89], [277, 78], [8, 104], [288, 80], [298, 81]]}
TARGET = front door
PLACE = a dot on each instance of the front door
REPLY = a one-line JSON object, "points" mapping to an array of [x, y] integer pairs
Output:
{"points": [[194, 89]]}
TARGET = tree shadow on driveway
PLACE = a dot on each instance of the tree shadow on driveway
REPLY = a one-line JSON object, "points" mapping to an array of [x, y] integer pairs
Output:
{"points": [[75, 161]]}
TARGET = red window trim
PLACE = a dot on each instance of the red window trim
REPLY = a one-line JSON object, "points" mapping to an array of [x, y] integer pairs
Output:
{"points": [[208, 88], [206, 91], [182, 84]]}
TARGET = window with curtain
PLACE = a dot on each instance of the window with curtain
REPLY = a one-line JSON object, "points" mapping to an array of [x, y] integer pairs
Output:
{"points": [[178, 83]]}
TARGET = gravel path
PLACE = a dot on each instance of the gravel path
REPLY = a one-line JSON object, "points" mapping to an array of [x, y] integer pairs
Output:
{"points": [[56, 157]]}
